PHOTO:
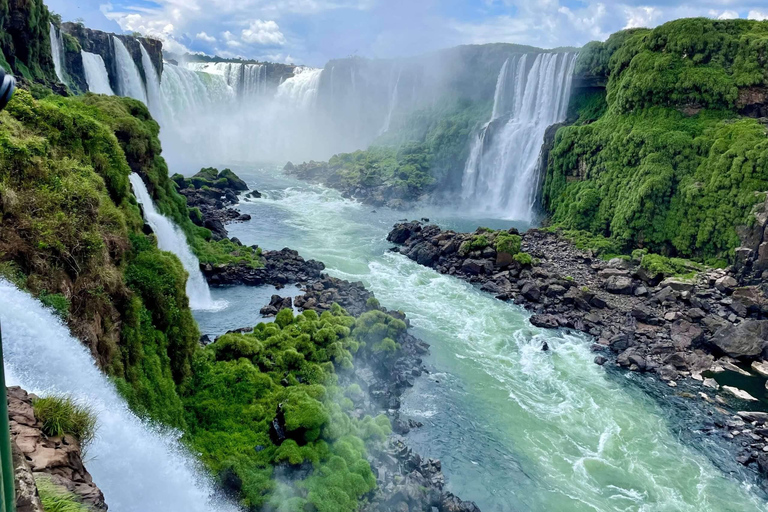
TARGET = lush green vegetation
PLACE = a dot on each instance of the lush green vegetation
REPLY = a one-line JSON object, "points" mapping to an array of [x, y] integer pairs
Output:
{"points": [[666, 163], [289, 372], [56, 498], [405, 169], [62, 415]]}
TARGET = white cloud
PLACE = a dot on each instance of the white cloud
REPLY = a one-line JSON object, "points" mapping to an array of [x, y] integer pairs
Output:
{"points": [[264, 33], [642, 16], [758, 15], [205, 37], [725, 15]]}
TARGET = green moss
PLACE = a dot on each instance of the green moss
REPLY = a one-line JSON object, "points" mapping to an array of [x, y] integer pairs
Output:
{"points": [[508, 243], [240, 380], [476, 243], [524, 258], [657, 264], [58, 302]]}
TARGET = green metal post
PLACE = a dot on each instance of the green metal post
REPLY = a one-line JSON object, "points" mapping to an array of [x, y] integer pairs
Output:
{"points": [[6, 456]]}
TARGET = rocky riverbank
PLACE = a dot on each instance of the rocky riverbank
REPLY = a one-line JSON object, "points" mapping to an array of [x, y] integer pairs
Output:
{"points": [[679, 329], [39, 456], [210, 195]]}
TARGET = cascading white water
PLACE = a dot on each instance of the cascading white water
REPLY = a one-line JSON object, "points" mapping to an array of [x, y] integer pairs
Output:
{"points": [[501, 174], [128, 76], [152, 83], [96, 73], [301, 89], [392, 104], [57, 52], [247, 80], [170, 238], [137, 467]]}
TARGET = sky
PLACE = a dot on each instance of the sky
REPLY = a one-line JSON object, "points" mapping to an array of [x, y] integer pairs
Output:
{"points": [[311, 32]]}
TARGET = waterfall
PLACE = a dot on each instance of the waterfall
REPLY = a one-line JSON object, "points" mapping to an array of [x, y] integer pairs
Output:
{"points": [[138, 467], [501, 174], [170, 238], [301, 89], [247, 80], [152, 85], [57, 52], [96, 73], [392, 104], [128, 76]]}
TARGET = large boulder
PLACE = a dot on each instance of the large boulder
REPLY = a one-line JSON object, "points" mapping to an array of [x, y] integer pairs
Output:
{"points": [[424, 253], [746, 340], [619, 285]]}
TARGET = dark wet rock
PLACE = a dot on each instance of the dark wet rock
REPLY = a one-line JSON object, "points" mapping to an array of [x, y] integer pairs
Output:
{"points": [[746, 340], [276, 303]]}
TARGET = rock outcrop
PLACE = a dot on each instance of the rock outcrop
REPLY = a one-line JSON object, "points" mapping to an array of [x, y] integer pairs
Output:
{"points": [[58, 458]]}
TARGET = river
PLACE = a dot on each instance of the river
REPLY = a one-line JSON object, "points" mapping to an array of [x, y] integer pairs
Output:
{"points": [[517, 429]]}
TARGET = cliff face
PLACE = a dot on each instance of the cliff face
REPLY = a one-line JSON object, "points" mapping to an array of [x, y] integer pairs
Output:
{"points": [[59, 459], [25, 47], [669, 157], [100, 43]]}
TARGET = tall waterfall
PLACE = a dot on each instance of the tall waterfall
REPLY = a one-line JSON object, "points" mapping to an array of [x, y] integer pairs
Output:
{"points": [[139, 468], [152, 83], [128, 76], [96, 73], [301, 89], [57, 52], [501, 174], [170, 238]]}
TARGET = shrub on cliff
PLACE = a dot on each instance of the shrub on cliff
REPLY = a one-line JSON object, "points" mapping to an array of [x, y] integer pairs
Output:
{"points": [[56, 498], [62, 415]]}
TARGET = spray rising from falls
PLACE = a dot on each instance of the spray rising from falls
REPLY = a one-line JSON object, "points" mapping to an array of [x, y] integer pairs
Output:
{"points": [[57, 52], [96, 74], [502, 174], [128, 76], [138, 468], [171, 239]]}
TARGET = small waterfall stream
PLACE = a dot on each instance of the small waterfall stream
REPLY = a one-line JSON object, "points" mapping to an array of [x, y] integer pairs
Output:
{"points": [[96, 73], [128, 76], [501, 174], [170, 238], [137, 467], [152, 85], [57, 52]]}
